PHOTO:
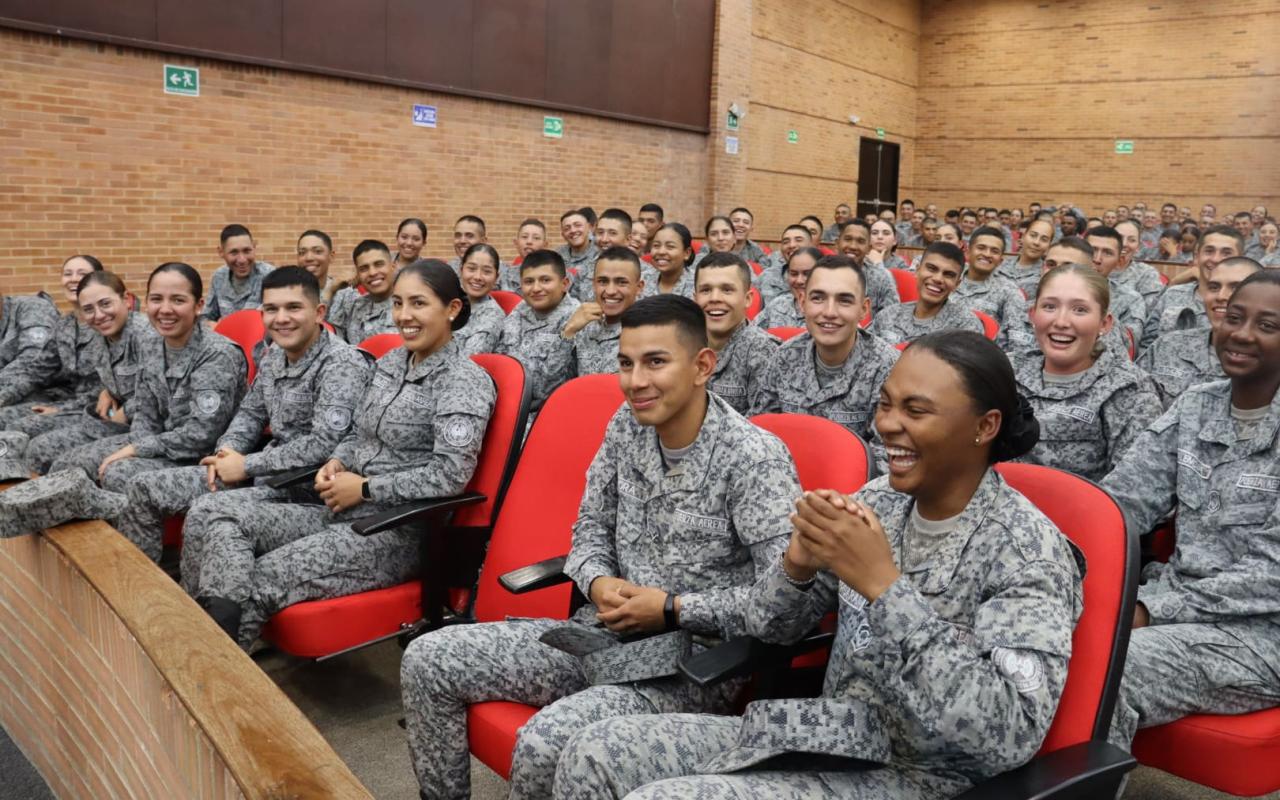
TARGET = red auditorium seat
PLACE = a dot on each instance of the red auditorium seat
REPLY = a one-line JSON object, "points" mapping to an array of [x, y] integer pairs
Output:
{"points": [[245, 328], [908, 292], [754, 303], [380, 344], [322, 628], [755, 267], [506, 300], [990, 328], [786, 332]]}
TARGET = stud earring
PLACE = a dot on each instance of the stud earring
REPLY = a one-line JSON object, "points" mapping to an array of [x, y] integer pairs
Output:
{"points": [[977, 440]]}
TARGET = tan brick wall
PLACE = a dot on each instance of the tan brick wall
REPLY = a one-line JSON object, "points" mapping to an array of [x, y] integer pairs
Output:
{"points": [[1024, 101]]}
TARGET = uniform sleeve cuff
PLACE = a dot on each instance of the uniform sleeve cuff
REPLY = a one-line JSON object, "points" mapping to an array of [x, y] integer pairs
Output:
{"points": [[252, 464], [145, 446], [897, 613]]}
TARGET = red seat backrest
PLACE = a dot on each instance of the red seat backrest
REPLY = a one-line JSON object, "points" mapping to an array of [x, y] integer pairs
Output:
{"points": [[502, 437], [908, 292], [541, 505], [827, 455], [245, 328], [1091, 519], [753, 303], [785, 332], [990, 328], [506, 300], [755, 267], [380, 344]]}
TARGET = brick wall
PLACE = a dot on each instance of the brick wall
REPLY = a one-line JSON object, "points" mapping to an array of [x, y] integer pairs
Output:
{"points": [[1024, 101]]}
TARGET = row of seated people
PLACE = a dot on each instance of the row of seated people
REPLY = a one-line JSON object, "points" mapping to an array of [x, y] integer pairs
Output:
{"points": [[170, 308]]}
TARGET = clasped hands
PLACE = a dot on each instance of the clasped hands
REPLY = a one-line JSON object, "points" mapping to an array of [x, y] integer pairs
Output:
{"points": [[844, 537], [338, 488], [625, 607]]}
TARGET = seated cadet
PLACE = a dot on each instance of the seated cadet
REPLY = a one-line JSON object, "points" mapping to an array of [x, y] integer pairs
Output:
{"points": [[1204, 638], [651, 217], [638, 241], [1092, 402], [1171, 247], [1127, 307], [238, 284], [956, 601], [787, 310], [116, 353], [986, 289], [834, 370], [884, 241], [411, 236], [719, 237], [936, 280], [468, 230], [743, 222], [479, 273], [613, 228], [1269, 237], [1178, 360], [723, 284], [188, 385], [74, 385], [1243, 222], [578, 251], [1181, 306], [813, 225], [369, 314], [881, 288], [842, 214], [772, 281], [685, 507], [417, 436], [968, 223], [530, 236], [315, 255], [671, 268], [305, 392], [594, 327], [531, 333], [1023, 267], [1137, 275], [28, 351]]}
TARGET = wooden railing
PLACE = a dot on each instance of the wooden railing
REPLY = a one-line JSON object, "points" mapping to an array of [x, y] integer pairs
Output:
{"points": [[116, 685]]}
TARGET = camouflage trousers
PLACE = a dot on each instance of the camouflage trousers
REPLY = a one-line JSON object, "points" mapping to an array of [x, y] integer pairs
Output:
{"points": [[447, 669], [156, 495], [255, 547], [60, 441], [88, 457], [22, 418], [1173, 671], [657, 758]]}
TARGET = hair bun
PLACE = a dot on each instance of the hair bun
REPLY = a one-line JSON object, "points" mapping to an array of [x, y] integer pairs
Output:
{"points": [[1017, 435]]}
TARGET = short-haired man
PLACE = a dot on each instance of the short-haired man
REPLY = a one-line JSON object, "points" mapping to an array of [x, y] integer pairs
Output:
{"points": [[722, 285], [530, 236], [237, 284], [468, 230], [936, 280], [578, 251], [1181, 306], [652, 217], [844, 213], [1127, 308], [533, 332], [369, 314], [1243, 221], [772, 280], [834, 370], [1137, 275], [315, 255], [686, 506], [613, 228], [1169, 217], [913, 234], [743, 221], [1208, 214], [1178, 360], [904, 227], [306, 391], [994, 294], [595, 326], [880, 287], [968, 222], [1149, 236]]}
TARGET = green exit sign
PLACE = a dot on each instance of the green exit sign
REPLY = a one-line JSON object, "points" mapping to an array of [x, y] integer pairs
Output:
{"points": [[553, 127], [181, 80], [879, 133], [792, 137], [1124, 146]]}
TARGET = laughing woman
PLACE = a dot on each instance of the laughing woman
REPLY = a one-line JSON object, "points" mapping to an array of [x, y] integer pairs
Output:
{"points": [[1092, 402], [672, 272], [1023, 267], [479, 273], [956, 600]]}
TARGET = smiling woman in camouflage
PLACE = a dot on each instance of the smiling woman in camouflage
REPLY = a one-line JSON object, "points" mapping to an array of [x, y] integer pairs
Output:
{"points": [[956, 601]]}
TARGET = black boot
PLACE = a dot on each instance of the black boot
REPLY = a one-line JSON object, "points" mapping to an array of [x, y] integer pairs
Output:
{"points": [[224, 612]]}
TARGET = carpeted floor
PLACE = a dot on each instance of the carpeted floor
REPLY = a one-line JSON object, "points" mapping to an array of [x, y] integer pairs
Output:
{"points": [[355, 701], [18, 779]]}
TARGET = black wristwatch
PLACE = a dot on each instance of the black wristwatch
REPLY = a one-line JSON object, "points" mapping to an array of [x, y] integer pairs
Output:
{"points": [[669, 612], [364, 491]]}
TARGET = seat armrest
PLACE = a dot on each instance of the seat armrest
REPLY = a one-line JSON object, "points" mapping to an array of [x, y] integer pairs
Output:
{"points": [[413, 512], [292, 478], [535, 576], [1087, 770], [745, 655]]}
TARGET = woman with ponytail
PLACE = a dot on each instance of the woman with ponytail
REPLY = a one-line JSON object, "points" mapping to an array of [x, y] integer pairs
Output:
{"points": [[672, 271], [1092, 402], [956, 602]]}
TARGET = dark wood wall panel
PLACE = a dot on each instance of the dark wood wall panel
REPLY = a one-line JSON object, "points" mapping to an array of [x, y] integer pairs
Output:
{"points": [[645, 60]]}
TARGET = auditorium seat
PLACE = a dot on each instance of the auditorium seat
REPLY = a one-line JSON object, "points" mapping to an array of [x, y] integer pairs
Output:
{"points": [[380, 344], [507, 301], [785, 332], [908, 292], [754, 303], [245, 328], [990, 328]]}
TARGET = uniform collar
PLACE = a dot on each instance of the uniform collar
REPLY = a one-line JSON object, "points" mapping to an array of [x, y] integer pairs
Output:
{"points": [[440, 358], [939, 565], [1217, 425], [1030, 373], [726, 353], [860, 354], [299, 367], [692, 471]]}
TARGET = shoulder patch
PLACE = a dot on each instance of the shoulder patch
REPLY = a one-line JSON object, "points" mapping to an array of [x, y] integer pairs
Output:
{"points": [[1023, 667], [460, 431], [38, 335], [208, 402], [338, 418], [4, 448]]}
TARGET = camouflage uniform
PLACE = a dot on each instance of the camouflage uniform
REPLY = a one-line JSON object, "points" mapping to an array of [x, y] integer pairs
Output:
{"points": [[584, 270], [1179, 308], [1213, 644], [750, 251], [365, 317], [1025, 278], [781, 312], [882, 289], [739, 365], [1143, 279], [117, 364], [792, 384], [536, 341], [951, 676], [772, 280], [183, 401], [1271, 260], [1127, 308], [1089, 421], [228, 295], [1179, 360], [705, 528], [899, 323], [308, 406], [1000, 298], [74, 386], [595, 348], [509, 277], [339, 309], [484, 326], [417, 435], [28, 354], [650, 275]]}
